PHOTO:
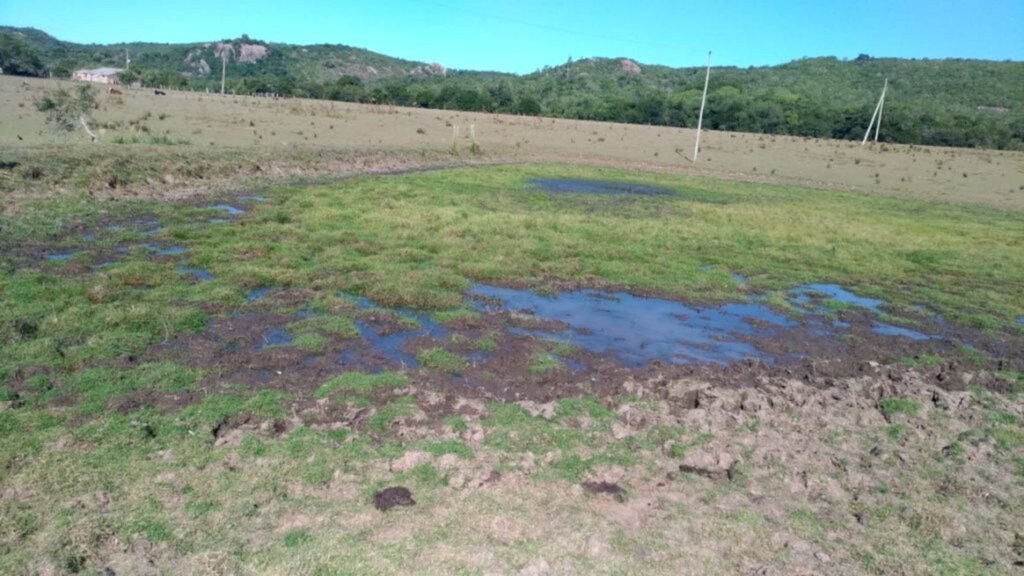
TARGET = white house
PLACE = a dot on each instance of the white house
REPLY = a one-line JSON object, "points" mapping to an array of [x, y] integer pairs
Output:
{"points": [[99, 75]]}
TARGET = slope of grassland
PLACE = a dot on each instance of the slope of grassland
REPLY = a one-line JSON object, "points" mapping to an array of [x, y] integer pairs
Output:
{"points": [[189, 141], [195, 374]]}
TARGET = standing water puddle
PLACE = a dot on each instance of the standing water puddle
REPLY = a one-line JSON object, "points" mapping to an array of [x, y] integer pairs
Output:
{"points": [[200, 274], [889, 330], [62, 257], [275, 337], [806, 294], [388, 343], [637, 330], [227, 208], [172, 251], [812, 297], [258, 293]]}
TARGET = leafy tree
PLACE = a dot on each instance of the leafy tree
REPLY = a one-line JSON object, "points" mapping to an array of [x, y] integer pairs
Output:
{"points": [[501, 93], [286, 85], [528, 106], [17, 57], [128, 77], [346, 89], [67, 110]]}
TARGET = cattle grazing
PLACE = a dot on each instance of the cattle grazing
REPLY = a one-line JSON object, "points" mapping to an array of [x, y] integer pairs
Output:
{"points": [[159, 92], [114, 91]]}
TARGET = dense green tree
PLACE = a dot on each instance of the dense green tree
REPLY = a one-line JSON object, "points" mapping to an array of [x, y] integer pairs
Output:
{"points": [[128, 77], [501, 94], [346, 89], [528, 105], [17, 57]]}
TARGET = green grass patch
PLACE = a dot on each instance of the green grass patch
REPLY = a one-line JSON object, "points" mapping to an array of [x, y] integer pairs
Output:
{"points": [[896, 432], [542, 362], [380, 422], [296, 538], [442, 447], [445, 316], [334, 324], [892, 406], [485, 345], [361, 384], [441, 359], [94, 387], [216, 407], [586, 406], [310, 342], [458, 423]]}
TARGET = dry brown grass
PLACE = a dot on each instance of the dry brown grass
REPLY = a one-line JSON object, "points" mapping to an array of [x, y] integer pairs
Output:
{"points": [[296, 127]]}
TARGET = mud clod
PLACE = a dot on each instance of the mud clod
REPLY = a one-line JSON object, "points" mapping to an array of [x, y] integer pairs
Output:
{"points": [[393, 496], [610, 488]]}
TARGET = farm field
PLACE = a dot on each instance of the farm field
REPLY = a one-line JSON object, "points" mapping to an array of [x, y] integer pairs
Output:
{"points": [[296, 337]]}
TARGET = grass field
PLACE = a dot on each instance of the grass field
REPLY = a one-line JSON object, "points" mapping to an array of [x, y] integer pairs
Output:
{"points": [[192, 375], [289, 138]]}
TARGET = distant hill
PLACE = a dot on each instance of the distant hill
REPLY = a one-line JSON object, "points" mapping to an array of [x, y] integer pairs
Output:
{"points": [[246, 58], [938, 102]]}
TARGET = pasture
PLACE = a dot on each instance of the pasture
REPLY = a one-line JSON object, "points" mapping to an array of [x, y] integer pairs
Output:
{"points": [[293, 337]]}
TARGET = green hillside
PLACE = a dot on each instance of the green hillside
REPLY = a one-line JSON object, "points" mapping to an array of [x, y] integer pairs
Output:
{"points": [[937, 102]]}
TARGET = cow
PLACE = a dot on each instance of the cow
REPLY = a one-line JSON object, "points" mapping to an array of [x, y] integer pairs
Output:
{"points": [[159, 92], [114, 91]]}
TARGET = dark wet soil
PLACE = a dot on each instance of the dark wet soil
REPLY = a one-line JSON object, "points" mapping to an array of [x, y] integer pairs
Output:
{"points": [[610, 488], [388, 498], [242, 350]]}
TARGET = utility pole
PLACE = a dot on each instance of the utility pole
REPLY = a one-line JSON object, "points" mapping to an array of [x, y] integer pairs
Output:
{"points": [[700, 118], [223, 68], [881, 106], [877, 114], [127, 61]]}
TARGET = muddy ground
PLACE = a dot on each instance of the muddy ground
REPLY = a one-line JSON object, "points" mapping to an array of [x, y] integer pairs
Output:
{"points": [[863, 453], [856, 455], [251, 346]]}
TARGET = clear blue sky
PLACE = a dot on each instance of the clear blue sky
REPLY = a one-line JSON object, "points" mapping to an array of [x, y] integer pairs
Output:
{"points": [[524, 35]]}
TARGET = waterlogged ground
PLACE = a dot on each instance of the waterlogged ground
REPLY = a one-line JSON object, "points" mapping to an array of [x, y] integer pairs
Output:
{"points": [[804, 381]]}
